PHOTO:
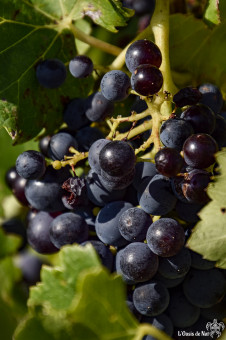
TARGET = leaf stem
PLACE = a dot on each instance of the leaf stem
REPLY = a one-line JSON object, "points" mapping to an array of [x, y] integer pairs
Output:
{"points": [[146, 329], [92, 41]]}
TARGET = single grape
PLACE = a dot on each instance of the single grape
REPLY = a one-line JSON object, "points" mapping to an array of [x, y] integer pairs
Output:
{"points": [[194, 186], [155, 195], [204, 288], [44, 145], [38, 233], [211, 96], [115, 85], [86, 136], [98, 107], [59, 145], [68, 228], [142, 171], [117, 158], [74, 114], [116, 182], [199, 150], [151, 298], [187, 96], [11, 176], [30, 266], [146, 80], [168, 162], [81, 66], [30, 164], [165, 237], [51, 73], [176, 266], [142, 52], [118, 269], [174, 132], [134, 223], [201, 118], [138, 262]]}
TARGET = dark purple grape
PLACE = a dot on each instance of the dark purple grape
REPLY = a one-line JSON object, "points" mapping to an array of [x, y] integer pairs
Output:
{"points": [[142, 52], [81, 66], [86, 136], [194, 186], [98, 107], [199, 150], [30, 164], [30, 266], [134, 223], [116, 182], [18, 190], [117, 158], [59, 145], [38, 233], [44, 145], [176, 266], [211, 96], [51, 73], [74, 114], [138, 262], [174, 132], [103, 251], [11, 176], [165, 237], [146, 80], [94, 153], [68, 228], [115, 85], [201, 118], [168, 162], [187, 96]]}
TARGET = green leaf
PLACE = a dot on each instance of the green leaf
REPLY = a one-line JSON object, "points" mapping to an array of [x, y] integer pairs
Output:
{"points": [[58, 285], [8, 321], [9, 244], [222, 8], [209, 235], [212, 14], [9, 275], [102, 302], [190, 42]]}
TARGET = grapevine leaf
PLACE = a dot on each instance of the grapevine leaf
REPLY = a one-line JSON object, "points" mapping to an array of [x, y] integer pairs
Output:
{"points": [[112, 317], [8, 321], [209, 236], [190, 42], [58, 285], [212, 14], [222, 7], [9, 243], [9, 275]]}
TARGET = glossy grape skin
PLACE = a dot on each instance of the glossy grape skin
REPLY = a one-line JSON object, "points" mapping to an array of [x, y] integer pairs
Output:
{"points": [[59, 145], [174, 132], [142, 52], [98, 107], [181, 312], [151, 298], [81, 66], [204, 288], [199, 150], [118, 269], [94, 152], [30, 164], [44, 145], [138, 262], [187, 96], [38, 233], [155, 195], [117, 158], [134, 223], [11, 177], [168, 162], [17, 184], [115, 85], [51, 73], [211, 96], [194, 186], [176, 266], [201, 118], [165, 237], [106, 224], [68, 228], [74, 114], [146, 80]]}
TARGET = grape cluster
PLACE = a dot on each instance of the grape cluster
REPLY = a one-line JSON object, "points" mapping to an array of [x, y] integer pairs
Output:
{"points": [[135, 207]]}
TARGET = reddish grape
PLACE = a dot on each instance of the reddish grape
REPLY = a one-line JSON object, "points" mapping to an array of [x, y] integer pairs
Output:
{"points": [[146, 80]]}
